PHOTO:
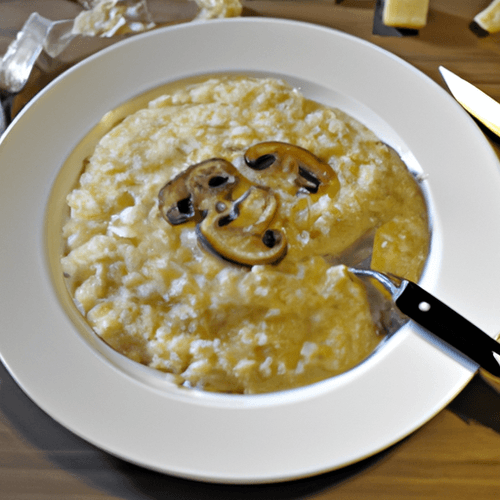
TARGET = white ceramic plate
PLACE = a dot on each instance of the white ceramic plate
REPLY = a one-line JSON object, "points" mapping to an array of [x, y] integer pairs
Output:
{"points": [[243, 439]]}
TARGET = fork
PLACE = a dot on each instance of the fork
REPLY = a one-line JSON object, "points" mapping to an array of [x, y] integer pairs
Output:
{"points": [[440, 320]]}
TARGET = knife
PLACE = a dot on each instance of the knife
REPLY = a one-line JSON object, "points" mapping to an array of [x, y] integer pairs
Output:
{"points": [[480, 105], [442, 322]]}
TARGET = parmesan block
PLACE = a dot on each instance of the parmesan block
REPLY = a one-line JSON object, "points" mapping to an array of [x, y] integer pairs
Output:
{"points": [[405, 13], [489, 18]]}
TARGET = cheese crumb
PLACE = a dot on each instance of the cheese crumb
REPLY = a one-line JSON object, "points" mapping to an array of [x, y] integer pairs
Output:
{"points": [[405, 13], [489, 18]]}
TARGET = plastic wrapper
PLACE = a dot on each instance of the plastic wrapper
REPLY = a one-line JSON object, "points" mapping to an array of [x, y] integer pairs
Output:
{"points": [[211, 9], [110, 17], [37, 34], [100, 19]]}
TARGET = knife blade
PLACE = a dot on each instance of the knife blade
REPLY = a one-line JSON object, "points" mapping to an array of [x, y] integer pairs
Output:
{"points": [[480, 105]]}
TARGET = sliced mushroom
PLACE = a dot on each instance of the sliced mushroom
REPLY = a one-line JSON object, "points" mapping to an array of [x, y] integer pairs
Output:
{"points": [[239, 230], [291, 168], [190, 193], [242, 234]]}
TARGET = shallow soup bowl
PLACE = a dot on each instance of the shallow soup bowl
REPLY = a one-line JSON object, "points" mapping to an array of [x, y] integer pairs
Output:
{"points": [[140, 415]]}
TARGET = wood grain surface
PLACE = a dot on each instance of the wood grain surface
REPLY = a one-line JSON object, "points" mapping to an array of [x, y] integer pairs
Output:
{"points": [[454, 456]]}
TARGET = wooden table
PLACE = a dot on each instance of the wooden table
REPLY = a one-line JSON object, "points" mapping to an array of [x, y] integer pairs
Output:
{"points": [[454, 456]]}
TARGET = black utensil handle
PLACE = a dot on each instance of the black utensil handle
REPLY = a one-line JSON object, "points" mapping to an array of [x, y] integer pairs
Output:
{"points": [[448, 325]]}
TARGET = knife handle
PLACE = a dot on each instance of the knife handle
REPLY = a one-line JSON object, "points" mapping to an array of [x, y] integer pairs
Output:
{"points": [[448, 325]]}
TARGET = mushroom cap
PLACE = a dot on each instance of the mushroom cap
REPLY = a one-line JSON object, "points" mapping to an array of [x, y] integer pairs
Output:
{"points": [[238, 230], [242, 234], [191, 192], [243, 230], [291, 168]]}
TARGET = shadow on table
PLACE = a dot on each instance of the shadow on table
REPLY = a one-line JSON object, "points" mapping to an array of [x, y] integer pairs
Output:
{"points": [[102, 471], [478, 402]]}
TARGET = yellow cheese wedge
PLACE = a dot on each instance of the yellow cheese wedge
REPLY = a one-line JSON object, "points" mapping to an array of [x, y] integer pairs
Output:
{"points": [[405, 13], [489, 18]]}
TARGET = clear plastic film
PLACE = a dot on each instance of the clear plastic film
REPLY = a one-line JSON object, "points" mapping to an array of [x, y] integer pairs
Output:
{"points": [[111, 17], [98, 19], [37, 34]]}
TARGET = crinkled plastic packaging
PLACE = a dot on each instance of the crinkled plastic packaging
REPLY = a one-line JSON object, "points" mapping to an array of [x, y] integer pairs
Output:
{"points": [[100, 18], [37, 34]]}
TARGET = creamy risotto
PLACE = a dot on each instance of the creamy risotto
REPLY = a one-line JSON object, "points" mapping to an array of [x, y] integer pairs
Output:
{"points": [[161, 281]]}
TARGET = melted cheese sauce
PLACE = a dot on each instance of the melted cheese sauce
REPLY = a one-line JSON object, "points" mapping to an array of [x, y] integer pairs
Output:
{"points": [[151, 292]]}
